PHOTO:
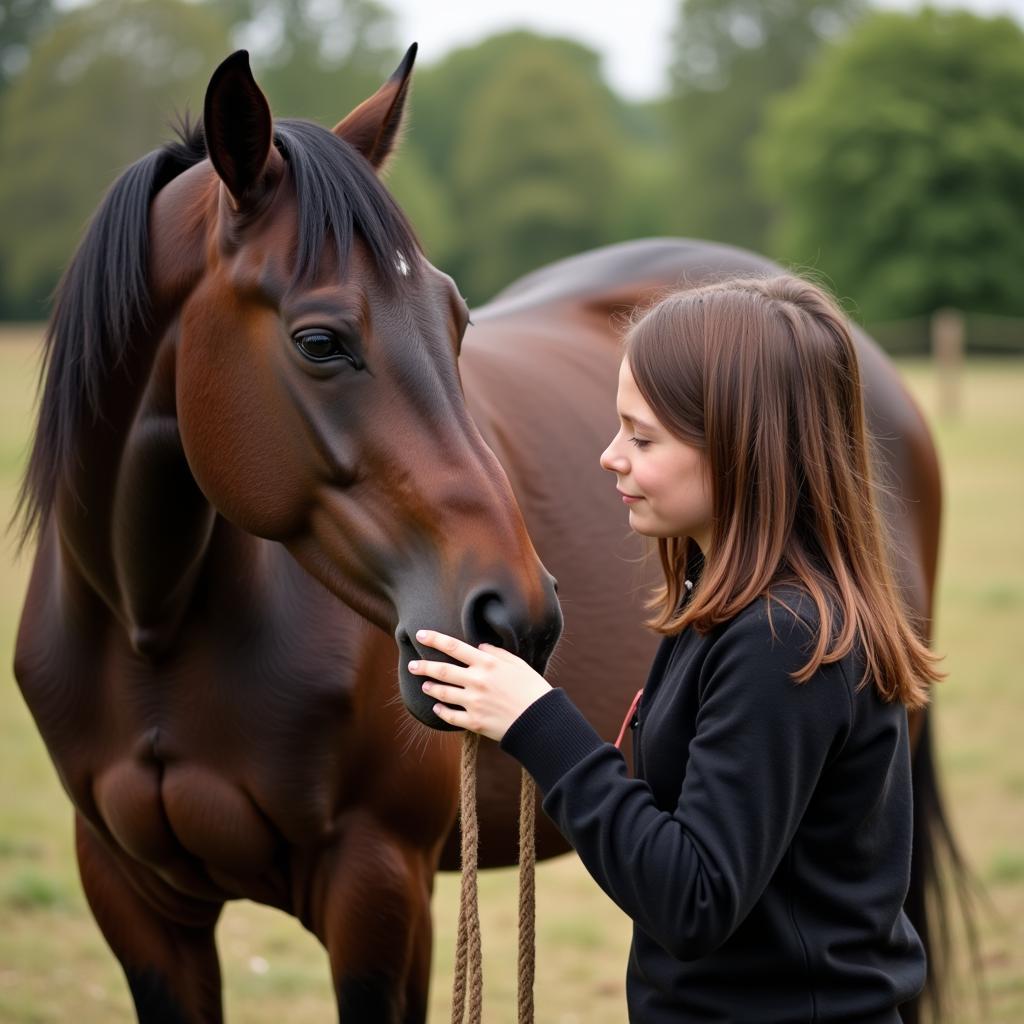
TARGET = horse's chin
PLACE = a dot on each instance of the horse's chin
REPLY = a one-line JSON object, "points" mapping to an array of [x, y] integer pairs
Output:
{"points": [[418, 704]]}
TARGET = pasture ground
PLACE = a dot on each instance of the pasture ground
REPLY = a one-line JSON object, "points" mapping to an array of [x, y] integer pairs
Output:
{"points": [[54, 966]]}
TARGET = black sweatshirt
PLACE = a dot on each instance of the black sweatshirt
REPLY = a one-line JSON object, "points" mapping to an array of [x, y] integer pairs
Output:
{"points": [[763, 848]]}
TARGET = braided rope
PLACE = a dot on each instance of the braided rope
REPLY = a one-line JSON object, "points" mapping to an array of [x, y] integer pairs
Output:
{"points": [[468, 961], [527, 898], [468, 975]]}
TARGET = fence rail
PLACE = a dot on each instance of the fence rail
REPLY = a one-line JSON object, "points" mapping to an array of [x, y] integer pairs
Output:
{"points": [[984, 334]]}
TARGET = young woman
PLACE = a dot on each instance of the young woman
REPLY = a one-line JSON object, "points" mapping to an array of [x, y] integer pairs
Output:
{"points": [[763, 847]]}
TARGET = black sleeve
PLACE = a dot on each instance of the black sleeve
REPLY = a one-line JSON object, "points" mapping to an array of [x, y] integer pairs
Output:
{"points": [[690, 876]]}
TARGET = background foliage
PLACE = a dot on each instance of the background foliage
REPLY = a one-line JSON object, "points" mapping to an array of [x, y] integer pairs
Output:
{"points": [[731, 59], [883, 150], [906, 141]]}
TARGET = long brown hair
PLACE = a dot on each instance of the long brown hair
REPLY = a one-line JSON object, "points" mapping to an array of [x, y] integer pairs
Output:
{"points": [[761, 374]]}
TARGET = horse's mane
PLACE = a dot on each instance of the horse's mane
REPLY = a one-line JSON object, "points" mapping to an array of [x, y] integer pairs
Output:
{"points": [[102, 301], [338, 191]]}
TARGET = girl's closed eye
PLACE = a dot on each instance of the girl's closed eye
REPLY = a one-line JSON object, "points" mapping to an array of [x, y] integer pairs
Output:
{"points": [[639, 442]]}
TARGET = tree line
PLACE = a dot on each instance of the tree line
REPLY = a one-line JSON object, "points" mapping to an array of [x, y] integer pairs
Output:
{"points": [[882, 151]]}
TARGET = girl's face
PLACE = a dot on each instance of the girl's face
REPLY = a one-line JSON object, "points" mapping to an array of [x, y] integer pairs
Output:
{"points": [[669, 477]]}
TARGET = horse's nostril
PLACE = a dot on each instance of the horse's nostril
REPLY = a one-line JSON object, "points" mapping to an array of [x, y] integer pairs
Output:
{"points": [[406, 646], [487, 620]]}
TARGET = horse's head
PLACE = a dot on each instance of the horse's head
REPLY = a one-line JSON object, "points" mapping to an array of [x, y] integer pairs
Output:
{"points": [[318, 393]]}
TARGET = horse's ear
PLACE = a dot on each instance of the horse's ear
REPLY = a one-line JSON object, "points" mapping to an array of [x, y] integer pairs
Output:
{"points": [[374, 125], [238, 127]]}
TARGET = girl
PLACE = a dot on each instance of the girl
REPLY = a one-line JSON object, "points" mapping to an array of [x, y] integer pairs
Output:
{"points": [[763, 847]]}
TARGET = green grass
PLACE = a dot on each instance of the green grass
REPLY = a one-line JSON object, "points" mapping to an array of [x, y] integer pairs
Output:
{"points": [[54, 966]]}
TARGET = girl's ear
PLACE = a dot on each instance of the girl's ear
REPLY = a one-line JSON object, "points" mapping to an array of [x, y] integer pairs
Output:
{"points": [[373, 127], [238, 128]]}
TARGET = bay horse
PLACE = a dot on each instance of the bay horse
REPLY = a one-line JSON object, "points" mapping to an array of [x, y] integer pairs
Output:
{"points": [[267, 451]]}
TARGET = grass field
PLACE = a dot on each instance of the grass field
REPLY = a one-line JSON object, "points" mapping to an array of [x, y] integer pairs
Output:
{"points": [[54, 965]]}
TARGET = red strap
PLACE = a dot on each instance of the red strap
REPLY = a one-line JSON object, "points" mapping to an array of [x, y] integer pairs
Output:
{"points": [[629, 717]]}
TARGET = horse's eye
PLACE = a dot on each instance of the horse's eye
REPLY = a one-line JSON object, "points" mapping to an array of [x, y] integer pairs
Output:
{"points": [[320, 345]]}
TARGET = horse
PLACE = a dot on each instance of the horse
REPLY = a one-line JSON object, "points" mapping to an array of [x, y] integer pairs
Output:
{"points": [[269, 447]]}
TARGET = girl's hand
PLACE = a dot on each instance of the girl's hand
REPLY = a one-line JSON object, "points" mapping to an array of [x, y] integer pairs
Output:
{"points": [[495, 687]]}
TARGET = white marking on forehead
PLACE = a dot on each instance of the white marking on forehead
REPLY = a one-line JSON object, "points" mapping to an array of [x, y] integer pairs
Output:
{"points": [[400, 264]]}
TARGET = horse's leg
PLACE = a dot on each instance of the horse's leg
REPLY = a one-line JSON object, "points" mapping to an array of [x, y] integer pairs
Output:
{"points": [[417, 981], [170, 962], [371, 910]]}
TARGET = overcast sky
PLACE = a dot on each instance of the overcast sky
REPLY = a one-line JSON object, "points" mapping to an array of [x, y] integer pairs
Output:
{"points": [[632, 35]]}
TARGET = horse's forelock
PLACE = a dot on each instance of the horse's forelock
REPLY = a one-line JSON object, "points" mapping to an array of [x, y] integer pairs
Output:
{"points": [[340, 197]]}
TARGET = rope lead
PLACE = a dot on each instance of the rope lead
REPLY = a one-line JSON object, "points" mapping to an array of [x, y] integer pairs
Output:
{"points": [[468, 978]]}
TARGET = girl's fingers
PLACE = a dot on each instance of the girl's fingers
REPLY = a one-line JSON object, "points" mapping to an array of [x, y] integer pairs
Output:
{"points": [[499, 652], [451, 716], [437, 670], [449, 644], [449, 694]]}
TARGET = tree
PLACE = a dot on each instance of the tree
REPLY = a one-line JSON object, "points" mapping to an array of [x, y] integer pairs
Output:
{"points": [[644, 202], [535, 170], [98, 92], [898, 165], [430, 179], [534, 214], [315, 58], [444, 93], [20, 22], [731, 57]]}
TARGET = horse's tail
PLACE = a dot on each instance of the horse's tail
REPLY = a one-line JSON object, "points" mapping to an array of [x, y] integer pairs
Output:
{"points": [[937, 867]]}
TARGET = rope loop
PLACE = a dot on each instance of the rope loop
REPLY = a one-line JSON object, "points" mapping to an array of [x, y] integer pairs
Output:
{"points": [[467, 984]]}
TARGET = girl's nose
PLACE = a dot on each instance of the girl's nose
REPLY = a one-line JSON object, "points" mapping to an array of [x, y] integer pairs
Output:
{"points": [[610, 458]]}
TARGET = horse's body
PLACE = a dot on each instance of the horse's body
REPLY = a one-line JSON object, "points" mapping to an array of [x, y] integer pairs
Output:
{"points": [[540, 368], [233, 538]]}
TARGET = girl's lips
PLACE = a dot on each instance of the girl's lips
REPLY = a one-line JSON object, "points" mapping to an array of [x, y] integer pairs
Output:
{"points": [[629, 498]]}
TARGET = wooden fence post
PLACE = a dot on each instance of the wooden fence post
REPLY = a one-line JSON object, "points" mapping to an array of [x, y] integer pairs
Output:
{"points": [[947, 330]]}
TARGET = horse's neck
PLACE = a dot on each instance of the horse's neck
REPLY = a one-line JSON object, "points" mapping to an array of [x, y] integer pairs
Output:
{"points": [[134, 522]]}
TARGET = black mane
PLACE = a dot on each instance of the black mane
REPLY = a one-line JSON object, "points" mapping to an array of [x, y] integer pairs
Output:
{"points": [[102, 302], [339, 192]]}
